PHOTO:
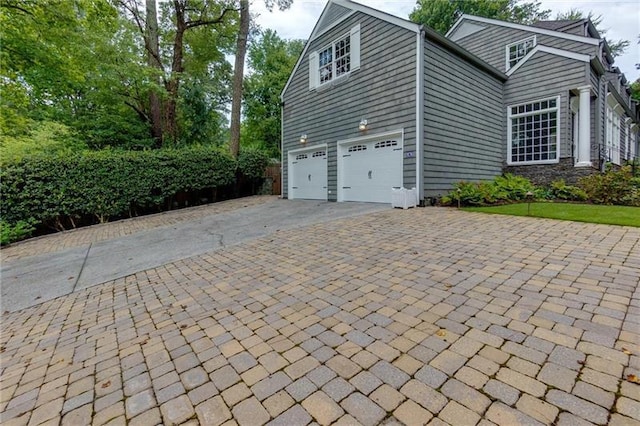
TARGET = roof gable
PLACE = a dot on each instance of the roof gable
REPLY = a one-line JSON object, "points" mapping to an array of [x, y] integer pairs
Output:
{"points": [[477, 19], [329, 19]]}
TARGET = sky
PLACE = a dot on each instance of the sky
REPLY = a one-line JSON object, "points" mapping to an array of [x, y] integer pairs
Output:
{"points": [[621, 19]]}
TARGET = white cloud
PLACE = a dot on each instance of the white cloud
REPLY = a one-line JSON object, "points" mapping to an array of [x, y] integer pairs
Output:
{"points": [[621, 19]]}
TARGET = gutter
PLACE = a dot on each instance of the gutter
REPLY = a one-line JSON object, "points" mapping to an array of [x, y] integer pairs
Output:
{"points": [[419, 113]]}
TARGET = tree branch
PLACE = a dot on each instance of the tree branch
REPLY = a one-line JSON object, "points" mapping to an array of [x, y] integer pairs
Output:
{"points": [[201, 22]]}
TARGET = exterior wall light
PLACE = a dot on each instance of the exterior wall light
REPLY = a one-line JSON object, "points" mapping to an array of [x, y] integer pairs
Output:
{"points": [[363, 125], [303, 138]]}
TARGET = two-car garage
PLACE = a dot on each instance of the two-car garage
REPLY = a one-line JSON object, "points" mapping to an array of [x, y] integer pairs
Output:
{"points": [[367, 169]]}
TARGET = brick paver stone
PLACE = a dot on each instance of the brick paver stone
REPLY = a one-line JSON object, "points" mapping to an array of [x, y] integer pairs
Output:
{"points": [[363, 409], [213, 412], [478, 320], [176, 411], [250, 412], [322, 408]]}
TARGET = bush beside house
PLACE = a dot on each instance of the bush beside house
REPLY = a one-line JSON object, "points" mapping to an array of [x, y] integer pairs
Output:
{"points": [[615, 186], [65, 191]]}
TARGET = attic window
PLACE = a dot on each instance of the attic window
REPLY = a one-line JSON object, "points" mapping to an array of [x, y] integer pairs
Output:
{"points": [[336, 60], [518, 50]]}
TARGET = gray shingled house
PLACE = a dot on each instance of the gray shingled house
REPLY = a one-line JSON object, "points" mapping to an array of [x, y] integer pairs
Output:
{"points": [[376, 102]]}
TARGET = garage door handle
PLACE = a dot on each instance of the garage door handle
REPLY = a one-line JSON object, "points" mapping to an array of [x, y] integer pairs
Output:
{"points": [[309, 178], [370, 172], [346, 187]]}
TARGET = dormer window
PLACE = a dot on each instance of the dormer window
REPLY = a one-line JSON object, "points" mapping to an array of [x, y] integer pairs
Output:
{"points": [[518, 50], [336, 60]]}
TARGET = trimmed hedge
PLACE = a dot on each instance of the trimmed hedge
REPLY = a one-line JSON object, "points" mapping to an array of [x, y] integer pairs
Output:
{"points": [[103, 184]]}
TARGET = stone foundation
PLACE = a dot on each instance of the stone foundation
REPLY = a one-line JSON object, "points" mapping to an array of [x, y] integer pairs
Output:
{"points": [[544, 174]]}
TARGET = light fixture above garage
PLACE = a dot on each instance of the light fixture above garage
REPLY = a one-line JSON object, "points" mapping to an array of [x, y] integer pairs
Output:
{"points": [[303, 138], [363, 125]]}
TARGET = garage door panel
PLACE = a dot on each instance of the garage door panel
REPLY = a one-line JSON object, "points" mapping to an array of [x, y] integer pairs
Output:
{"points": [[309, 175], [369, 170]]}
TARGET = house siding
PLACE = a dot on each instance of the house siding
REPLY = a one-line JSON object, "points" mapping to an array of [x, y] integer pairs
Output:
{"points": [[543, 76], [334, 13], [383, 91], [463, 124], [489, 44]]}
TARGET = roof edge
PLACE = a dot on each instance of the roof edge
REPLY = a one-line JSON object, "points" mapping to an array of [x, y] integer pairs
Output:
{"points": [[463, 53]]}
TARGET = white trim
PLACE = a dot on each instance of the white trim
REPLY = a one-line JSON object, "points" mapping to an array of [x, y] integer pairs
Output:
{"points": [[582, 39], [507, 55], [551, 50], [368, 138], [378, 14], [293, 152], [419, 115], [282, 152], [510, 125]]}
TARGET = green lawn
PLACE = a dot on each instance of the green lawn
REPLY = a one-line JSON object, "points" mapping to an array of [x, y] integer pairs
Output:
{"points": [[611, 215]]}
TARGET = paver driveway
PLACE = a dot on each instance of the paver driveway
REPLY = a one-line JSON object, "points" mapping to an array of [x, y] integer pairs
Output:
{"points": [[419, 316]]}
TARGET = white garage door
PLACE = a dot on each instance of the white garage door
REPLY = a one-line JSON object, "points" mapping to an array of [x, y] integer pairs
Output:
{"points": [[370, 169], [308, 174]]}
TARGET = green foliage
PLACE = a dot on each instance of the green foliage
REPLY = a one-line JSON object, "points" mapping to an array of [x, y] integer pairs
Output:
{"points": [[271, 60], [611, 215], [252, 163], [615, 186], [617, 47], [54, 189], [506, 188], [635, 88], [10, 233], [561, 191], [442, 14], [40, 137]]}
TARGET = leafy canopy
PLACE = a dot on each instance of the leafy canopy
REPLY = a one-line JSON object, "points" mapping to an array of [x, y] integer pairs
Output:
{"points": [[442, 14]]}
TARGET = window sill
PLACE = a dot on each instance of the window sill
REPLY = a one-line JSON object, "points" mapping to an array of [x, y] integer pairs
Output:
{"points": [[335, 82], [532, 163]]}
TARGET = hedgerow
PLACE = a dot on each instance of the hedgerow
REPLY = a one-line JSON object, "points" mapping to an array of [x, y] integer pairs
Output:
{"points": [[55, 190]]}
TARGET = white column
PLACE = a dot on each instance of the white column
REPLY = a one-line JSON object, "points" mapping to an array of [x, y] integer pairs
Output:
{"points": [[584, 128]]}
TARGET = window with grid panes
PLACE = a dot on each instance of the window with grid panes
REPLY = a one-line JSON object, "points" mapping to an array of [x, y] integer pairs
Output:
{"points": [[533, 135]]}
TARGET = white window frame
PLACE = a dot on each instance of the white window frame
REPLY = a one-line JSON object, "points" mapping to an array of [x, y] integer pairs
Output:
{"points": [[518, 59], [613, 132], [353, 37], [511, 116]]}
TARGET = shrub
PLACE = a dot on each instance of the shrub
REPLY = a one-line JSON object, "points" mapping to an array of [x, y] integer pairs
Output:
{"points": [[561, 191], [513, 188], [615, 186], [502, 189], [10, 233], [56, 188], [252, 163]]}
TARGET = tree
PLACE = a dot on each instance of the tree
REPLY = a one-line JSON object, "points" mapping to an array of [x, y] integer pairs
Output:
{"points": [[179, 19], [271, 60], [617, 47], [442, 14], [238, 72], [58, 62]]}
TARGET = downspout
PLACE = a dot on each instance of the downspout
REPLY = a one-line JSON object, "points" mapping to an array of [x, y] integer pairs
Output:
{"points": [[419, 114], [282, 149]]}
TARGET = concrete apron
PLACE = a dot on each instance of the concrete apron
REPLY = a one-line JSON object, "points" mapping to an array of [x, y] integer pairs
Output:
{"points": [[30, 281]]}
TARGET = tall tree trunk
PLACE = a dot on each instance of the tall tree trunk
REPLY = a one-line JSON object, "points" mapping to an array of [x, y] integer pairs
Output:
{"points": [[238, 74], [173, 84], [153, 60]]}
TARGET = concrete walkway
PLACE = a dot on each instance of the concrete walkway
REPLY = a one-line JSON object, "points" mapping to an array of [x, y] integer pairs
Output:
{"points": [[391, 317], [146, 243]]}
